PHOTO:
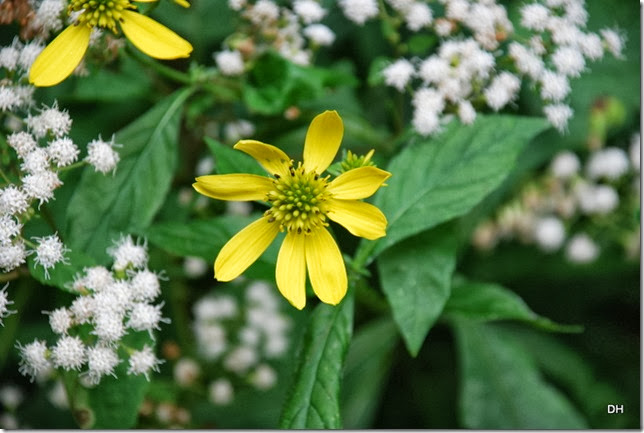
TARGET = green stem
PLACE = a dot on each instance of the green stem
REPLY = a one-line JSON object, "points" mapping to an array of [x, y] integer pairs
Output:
{"points": [[72, 166], [4, 176], [166, 71]]}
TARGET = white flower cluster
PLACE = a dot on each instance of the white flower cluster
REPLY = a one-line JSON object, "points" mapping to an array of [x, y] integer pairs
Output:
{"points": [[4, 303], [113, 303], [16, 59], [294, 32], [466, 72], [572, 197], [242, 338]]}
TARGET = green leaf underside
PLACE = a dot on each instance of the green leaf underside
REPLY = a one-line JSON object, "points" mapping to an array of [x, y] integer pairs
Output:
{"points": [[436, 179], [105, 206], [416, 276], [502, 389], [366, 371], [490, 302], [314, 400]]}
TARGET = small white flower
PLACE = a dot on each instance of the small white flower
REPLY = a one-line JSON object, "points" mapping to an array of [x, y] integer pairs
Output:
{"points": [[558, 115], [186, 371], [143, 361], [9, 56], [526, 60], [549, 233], [262, 12], [22, 142], [221, 392], [145, 285], [433, 69], [534, 16], [62, 151], [9, 99], [29, 53], [82, 309], [554, 87], [108, 324], [425, 122], [48, 15], [613, 41], [9, 228], [12, 255], [102, 156], [205, 166], [568, 61], [249, 336], [610, 163], [398, 74], [230, 62], [581, 249], [35, 161], [591, 46], [502, 90], [240, 359], [58, 395], [466, 112], [41, 185], [212, 340], [195, 267], [264, 377], [101, 361], [145, 317], [4, 303], [60, 320], [11, 396], [52, 120], [309, 11], [13, 201], [34, 360], [417, 16], [606, 199], [49, 252], [69, 353], [565, 165], [319, 34], [241, 128], [126, 253], [359, 11]]}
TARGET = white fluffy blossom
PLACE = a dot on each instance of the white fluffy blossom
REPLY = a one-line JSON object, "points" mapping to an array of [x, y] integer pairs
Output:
{"points": [[9, 99], [102, 156], [145, 317], [35, 161], [62, 151], [9, 56], [186, 371], [9, 228], [610, 163], [29, 53], [49, 252], [69, 353], [60, 320], [309, 11], [466, 112], [22, 142], [12, 255], [502, 90], [568, 61], [398, 74], [319, 34], [41, 185], [11, 396], [145, 285], [50, 120], [558, 115], [263, 11], [240, 359], [143, 361], [359, 11], [126, 253], [613, 41], [230, 62], [264, 377], [565, 165], [13, 200], [417, 16], [534, 16], [221, 392], [4, 303], [581, 249], [101, 361], [34, 359], [549, 233], [554, 87]]}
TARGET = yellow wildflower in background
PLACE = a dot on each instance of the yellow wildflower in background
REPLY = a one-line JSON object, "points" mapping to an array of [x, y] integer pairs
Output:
{"points": [[59, 59], [301, 201]]}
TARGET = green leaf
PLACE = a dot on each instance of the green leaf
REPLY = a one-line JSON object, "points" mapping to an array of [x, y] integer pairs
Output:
{"points": [[104, 206], [366, 370], [436, 179], [105, 85], [420, 44], [375, 76], [204, 238], [228, 160], [501, 388], [415, 275], [489, 302], [62, 274], [314, 401]]}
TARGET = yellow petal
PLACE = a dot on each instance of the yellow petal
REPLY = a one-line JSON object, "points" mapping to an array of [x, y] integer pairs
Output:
{"points": [[242, 187], [290, 272], [183, 3], [154, 39], [361, 219], [322, 141], [326, 267], [272, 158], [59, 59], [244, 248], [361, 182]]}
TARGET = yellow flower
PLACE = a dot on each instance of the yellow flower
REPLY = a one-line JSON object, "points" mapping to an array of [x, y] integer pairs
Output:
{"points": [[301, 202], [59, 59]]}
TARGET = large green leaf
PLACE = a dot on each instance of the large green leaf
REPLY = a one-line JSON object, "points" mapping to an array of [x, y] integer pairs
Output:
{"points": [[204, 238], [489, 302], [366, 371], [104, 206], [436, 179], [415, 275], [314, 401], [501, 387]]}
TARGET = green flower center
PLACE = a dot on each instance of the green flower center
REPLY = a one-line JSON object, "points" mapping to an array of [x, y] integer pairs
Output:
{"points": [[99, 13], [299, 201]]}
